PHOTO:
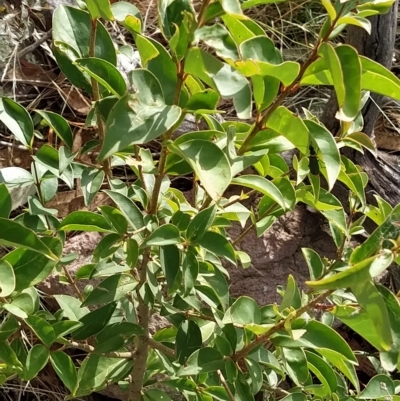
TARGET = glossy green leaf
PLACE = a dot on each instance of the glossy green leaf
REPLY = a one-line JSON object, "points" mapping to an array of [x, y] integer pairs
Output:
{"points": [[262, 185], [220, 76], [314, 263], [156, 395], [218, 393], [203, 100], [72, 307], [37, 359], [7, 279], [5, 201], [188, 340], [292, 297], [31, 267], [148, 87], [104, 73], [322, 370], [65, 369], [128, 208], [94, 321], [379, 387], [219, 245], [132, 122], [84, 221], [65, 327], [111, 289], [209, 163], [8, 356], [167, 234], [358, 273], [295, 397], [129, 15], [296, 365], [231, 6], [14, 234], [190, 271], [204, 360], [328, 150], [17, 120], [170, 262], [376, 78], [115, 218], [42, 329], [59, 125], [100, 9], [8, 327], [372, 302], [92, 180], [201, 223], [243, 311]]}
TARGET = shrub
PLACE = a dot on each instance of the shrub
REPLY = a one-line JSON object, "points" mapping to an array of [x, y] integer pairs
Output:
{"points": [[161, 253]]}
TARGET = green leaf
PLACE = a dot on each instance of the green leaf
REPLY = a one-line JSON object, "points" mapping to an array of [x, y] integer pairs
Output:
{"points": [[91, 181], [65, 369], [65, 327], [17, 120], [219, 38], [42, 329], [8, 327], [7, 279], [129, 15], [94, 321], [201, 223], [201, 101], [5, 201], [104, 73], [372, 302], [147, 86], [294, 396], [219, 245], [314, 263], [170, 262], [188, 340], [167, 234], [128, 208], [205, 360], [323, 371], [209, 163], [71, 307], [107, 339], [71, 38], [358, 273], [111, 289], [296, 365], [156, 395], [100, 9], [220, 76], [328, 148], [115, 218], [243, 311], [379, 387], [84, 221], [37, 359], [14, 234], [292, 297], [30, 267], [376, 78], [8, 356], [190, 271], [256, 375], [217, 392], [290, 126], [59, 125], [262, 185], [132, 122]]}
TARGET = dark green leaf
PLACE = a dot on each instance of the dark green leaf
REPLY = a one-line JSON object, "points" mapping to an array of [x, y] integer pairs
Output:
{"points": [[14, 234], [314, 263], [59, 125], [94, 321], [42, 329], [156, 395], [167, 234], [65, 327], [104, 73], [37, 359], [84, 221], [204, 360], [219, 245], [7, 279], [17, 120], [243, 311], [92, 180], [296, 365], [201, 223], [128, 208], [65, 369], [115, 218], [170, 262], [188, 340], [5, 201]]}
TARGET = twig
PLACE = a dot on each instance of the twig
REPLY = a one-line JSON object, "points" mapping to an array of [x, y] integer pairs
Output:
{"points": [[225, 384], [35, 45]]}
